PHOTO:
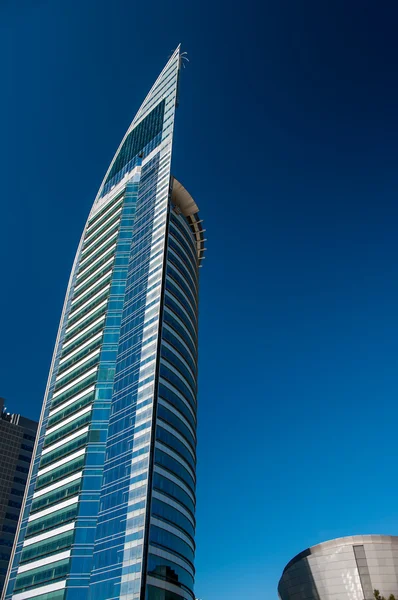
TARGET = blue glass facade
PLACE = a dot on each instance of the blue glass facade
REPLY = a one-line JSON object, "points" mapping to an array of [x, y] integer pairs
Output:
{"points": [[110, 511]]}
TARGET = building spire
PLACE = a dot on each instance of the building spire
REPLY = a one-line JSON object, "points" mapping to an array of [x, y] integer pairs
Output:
{"points": [[164, 88]]}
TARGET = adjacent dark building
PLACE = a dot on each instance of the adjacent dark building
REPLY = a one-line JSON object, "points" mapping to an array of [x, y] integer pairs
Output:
{"points": [[17, 438]]}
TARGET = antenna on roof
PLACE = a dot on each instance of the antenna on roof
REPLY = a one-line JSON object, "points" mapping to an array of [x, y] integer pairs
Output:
{"points": [[184, 57]]}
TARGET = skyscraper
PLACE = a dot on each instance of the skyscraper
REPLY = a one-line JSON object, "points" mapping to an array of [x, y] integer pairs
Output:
{"points": [[17, 436], [111, 502]]}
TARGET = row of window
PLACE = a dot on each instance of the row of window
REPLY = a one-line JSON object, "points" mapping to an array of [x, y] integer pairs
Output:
{"points": [[85, 335], [20, 480], [53, 520], [64, 450], [67, 429], [155, 593], [167, 570], [173, 358], [21, 470], [47, 547], [183, 235], [165, 414], [173, 338], [60, 472], [185, 260], [172, 515], [168, 392], [54, 496], [27, 447], [98, 231], [83, 301], [178, 342], [75, 316], [96, 245], [74, 390], [173, 543], [174, 491], [9, 528], [182, 298], [38, 576], [102, 259], [85, 322], [172, 441], [177, 325], [24, 458], [179, 259], [103, 248], [178, 467], [178, 382], [174, 271], [175, 305], [86, 285], [77, 371], [71, 409], [81, 353], [104, 212]]}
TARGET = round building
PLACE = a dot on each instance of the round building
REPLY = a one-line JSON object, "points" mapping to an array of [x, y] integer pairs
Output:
{"points": [[348, 568]]}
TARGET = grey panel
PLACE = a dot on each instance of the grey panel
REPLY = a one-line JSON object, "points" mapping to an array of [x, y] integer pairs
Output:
{"points": [[343, 569]]}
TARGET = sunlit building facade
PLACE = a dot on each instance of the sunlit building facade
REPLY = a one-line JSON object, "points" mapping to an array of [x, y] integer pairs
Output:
{"points": [[348, 568], [110, 508]]}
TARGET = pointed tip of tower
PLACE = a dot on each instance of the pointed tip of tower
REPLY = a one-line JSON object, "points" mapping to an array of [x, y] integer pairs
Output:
{"points": [[165, 86], [175, 52]]}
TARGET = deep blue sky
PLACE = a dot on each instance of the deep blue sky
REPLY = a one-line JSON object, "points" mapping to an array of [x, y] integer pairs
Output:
{"points": [[287, 137]]}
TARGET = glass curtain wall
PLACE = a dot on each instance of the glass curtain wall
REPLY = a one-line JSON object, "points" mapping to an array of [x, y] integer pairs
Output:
{"points": [[109, 511]]}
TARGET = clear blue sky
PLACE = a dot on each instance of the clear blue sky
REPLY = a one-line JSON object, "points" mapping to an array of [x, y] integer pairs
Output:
{"points": [[287, 137]]}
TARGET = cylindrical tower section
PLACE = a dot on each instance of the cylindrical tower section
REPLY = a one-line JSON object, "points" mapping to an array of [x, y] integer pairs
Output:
{"points": [[171, 546], [348, 568]]}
